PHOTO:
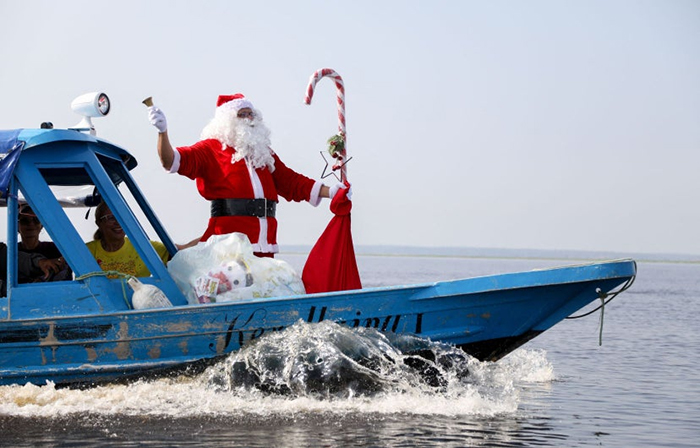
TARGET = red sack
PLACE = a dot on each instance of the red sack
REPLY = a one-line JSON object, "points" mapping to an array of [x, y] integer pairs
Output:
{"points": [[331, 265]]}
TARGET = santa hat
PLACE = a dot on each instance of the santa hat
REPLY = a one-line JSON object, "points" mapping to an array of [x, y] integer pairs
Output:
{"points": [[233, 102]]}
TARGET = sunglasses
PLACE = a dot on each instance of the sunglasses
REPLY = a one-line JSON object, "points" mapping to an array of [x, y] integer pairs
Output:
{"points": [[26, 220], [107, 218], [244, 114]]}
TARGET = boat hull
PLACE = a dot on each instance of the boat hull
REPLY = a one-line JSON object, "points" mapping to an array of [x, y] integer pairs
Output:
{"points": [[488, 317]]}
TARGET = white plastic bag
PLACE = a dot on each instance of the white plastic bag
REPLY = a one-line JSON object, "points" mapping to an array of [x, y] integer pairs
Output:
{"points": [[224, 269]]}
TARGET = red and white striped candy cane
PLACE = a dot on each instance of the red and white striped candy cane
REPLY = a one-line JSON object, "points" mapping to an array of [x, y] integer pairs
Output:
{"points": [[340, 87]]}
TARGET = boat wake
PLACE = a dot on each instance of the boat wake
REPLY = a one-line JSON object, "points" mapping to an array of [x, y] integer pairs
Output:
{"points": [[327, 360], [320, 367]]}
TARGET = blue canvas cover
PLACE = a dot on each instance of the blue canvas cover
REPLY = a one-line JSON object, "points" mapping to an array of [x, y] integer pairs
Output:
{"points": [[10, 149]]}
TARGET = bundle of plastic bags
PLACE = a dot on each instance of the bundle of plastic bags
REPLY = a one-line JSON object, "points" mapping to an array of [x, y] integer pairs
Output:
{"points": [[224, 269]]}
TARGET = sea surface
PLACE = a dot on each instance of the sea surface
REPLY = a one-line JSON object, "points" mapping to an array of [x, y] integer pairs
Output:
{"points": [[640, 388]]}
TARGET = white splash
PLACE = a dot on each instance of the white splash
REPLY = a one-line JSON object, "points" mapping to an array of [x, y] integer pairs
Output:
{"points": [[493, 388]]}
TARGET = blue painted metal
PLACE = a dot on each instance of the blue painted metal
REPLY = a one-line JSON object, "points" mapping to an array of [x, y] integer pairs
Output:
{"points": [[84, 331]]}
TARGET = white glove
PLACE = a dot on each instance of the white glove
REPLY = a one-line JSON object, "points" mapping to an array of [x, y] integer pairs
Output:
{"points": [[337, 187], [334, 189], [157, 119]]}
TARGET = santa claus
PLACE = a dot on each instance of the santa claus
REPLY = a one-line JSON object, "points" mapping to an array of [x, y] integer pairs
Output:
{"points": [[236, 169]]}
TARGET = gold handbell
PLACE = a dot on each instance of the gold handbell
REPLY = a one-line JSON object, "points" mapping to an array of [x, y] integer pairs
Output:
{"points": [[148, 101]]}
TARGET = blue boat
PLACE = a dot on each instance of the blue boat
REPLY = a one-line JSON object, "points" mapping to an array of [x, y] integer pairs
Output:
{"points": [[86, 331]]}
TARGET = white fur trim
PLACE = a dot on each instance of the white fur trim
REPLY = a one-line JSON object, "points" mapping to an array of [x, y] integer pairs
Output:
{"points": [[266, 248], [258, 191], [176, 162], [262, 236], [315, 196], [236, 105], [262, 245]]}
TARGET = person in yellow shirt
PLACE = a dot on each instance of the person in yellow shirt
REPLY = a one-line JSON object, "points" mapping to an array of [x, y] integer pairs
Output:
{"points": [[113, 250]]}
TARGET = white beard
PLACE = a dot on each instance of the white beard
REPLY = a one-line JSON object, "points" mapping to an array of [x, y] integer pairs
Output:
{"points": [[249, 137]]}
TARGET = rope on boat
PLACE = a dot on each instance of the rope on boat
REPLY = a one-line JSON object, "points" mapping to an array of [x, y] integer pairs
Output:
{"points": [[602, 296], [115, 274], [602, 315], [612, 296]]}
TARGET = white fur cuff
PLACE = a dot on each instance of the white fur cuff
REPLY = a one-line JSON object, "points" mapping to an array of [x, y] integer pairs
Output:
{"points": [[176, 162], [315, 196]]}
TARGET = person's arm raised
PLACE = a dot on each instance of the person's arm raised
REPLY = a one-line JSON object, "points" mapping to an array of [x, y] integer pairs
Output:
{"points": [[165, 149]]}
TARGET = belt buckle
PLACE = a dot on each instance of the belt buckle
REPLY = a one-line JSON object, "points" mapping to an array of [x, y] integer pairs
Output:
{"points": [[265, 207]]}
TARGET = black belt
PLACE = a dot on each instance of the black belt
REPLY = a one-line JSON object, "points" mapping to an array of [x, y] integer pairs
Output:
{"points": [[261, 208]]}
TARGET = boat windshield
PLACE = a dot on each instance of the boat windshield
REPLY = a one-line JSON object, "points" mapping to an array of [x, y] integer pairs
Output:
{"points": [[62, 179]]}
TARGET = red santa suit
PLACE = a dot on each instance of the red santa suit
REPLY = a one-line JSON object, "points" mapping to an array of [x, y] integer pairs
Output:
{"points": [[211, 164]]}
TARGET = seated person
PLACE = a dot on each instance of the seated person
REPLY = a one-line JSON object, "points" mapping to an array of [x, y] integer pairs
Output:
{"points": [[113, 250], [28, 266], [29, 229]]}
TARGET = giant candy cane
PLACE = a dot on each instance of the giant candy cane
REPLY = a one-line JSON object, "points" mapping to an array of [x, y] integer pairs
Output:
{"points": [[341, 138]]}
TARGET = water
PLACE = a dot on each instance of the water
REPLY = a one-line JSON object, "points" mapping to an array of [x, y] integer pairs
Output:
{"points": [[640, 388]]}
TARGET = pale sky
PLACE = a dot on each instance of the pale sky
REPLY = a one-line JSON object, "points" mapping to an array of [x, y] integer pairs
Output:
{"points": [[568, 125]]}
